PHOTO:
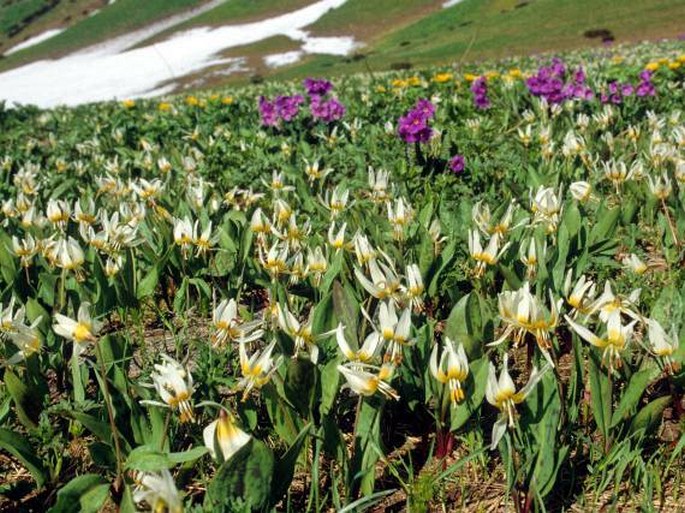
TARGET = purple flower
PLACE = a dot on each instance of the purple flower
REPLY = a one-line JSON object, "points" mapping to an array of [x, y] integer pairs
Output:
{"points": [[479, 88], [317, 86], [267, 110], [457, 164], [326, 110], [288, 107], [414, 127], [425, 108]]}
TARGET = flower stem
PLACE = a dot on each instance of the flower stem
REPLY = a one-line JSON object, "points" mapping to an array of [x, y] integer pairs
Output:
{"points": [[670, 222], [110, 414]]}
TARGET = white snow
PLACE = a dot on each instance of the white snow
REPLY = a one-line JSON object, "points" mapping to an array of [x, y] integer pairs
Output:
{"points": [[114, 71], [329, 45], [282, 59], [44, 36], [450, 3]]}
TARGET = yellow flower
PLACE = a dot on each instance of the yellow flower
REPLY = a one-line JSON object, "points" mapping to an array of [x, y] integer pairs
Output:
{"points": [[652, 66], [128, 103], [164, 107], [617, 59], [515, 73], [414, 81], [399, 83], [381, 89], [470, 77], [441, 78], [674, 65], [227, 100], [491, 74], [681, 58], [192, 101]]}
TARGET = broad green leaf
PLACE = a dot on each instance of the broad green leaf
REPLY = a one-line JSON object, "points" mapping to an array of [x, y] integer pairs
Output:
{"points": [[84, 494], [284, 467], [632, 394], [147, 286], [649, 417], [600, 393], [19, 447], [247, 476]]}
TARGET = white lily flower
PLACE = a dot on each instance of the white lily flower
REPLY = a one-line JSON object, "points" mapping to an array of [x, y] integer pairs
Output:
{"points": [[581, 191], [414, 289], [502, 394], [612, 343], [81, 331], [58, 213], [452, 369], [256, 369], [230, 327], [363, 382], [663, 345], [174, 384], [225, 435], [364, 354], [488, 256], [582, 296], [158, 491], [634, 263], [523, 313]]}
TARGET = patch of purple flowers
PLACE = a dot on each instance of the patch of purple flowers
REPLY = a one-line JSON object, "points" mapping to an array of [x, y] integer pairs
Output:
{"points": [[326, 110], [617, 91], [554, 85], [479, 88], [457, 164], [283, 108], [413, 127], [317, 86]]}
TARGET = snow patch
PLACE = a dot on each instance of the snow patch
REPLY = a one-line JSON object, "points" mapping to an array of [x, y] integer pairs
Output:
{"points": [[282, 59], [450, 3], [44, 36], [114, 71]]}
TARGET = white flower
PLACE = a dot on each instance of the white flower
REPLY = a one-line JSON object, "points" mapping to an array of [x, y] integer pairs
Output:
{"points": [[363, 382], [230, 327], [502, 395], [256, 369], [663, 345], [581, 191], [174, 384], [224, 434], [634, 263], [81, 331], [158, 491], [366, 353], [452, 369]]}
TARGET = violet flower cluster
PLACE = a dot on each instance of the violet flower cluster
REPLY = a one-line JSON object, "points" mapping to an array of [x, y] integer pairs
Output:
{"points": [[283, 108], [479, 88], [322, 108], [554, 84], [413, 127], [617, 91], [457, 164]]}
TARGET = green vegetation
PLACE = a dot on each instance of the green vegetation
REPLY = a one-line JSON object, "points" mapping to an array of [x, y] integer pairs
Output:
{"points": [[412, 291]]}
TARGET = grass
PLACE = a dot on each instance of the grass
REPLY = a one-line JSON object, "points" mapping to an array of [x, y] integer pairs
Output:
{"points": [[478, 30], [234, 11], [119, 18]]}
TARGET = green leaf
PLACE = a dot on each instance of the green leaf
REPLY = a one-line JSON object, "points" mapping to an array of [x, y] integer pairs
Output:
{"points": [[332, 272], [27, 404], [147, 286], [346, 309], [607, 219], [148, 459], [20, 448], [632, 394], [600, 393], [246, 476], [649, 417], [285, 466], [330, 379], [84, 494], [469, 323], [299, 384]]}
